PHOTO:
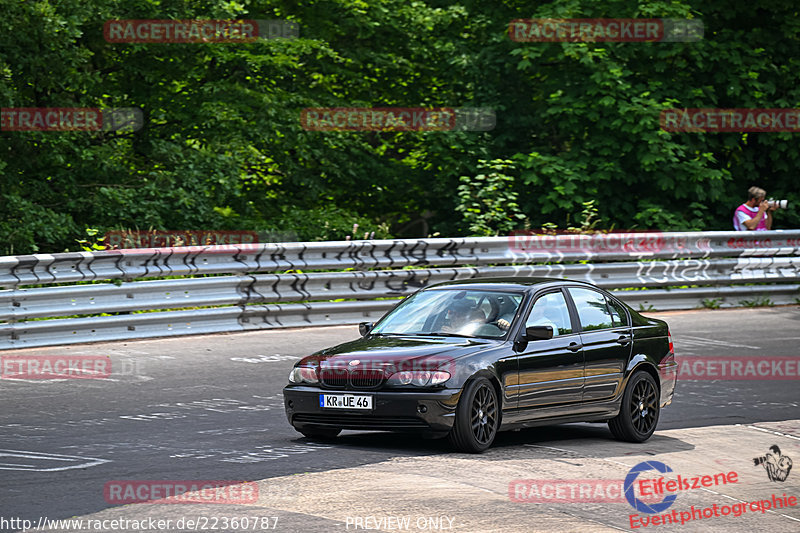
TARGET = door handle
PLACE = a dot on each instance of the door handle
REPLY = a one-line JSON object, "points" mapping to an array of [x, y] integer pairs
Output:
{"points": [[574, 346], [624, 340]]}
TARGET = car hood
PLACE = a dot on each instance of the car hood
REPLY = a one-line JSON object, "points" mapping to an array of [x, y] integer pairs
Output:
{"points": [[399, 350]]}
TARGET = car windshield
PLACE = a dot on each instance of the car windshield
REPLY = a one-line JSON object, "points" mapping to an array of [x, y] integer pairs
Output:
{"points": [[460, 313]]}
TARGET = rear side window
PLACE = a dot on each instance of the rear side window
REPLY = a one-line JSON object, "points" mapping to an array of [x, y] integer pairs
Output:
{"points": [[592, 309], [618, 314]]}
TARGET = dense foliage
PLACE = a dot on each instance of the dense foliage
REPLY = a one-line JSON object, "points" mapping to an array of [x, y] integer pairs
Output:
{"points": [[222, 146]]}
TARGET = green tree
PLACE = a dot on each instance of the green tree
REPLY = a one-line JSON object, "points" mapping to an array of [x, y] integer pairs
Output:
{"points": [[222, 146], [487, 201]]}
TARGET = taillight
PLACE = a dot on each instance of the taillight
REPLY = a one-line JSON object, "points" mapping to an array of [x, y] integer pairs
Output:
{"points": [[671, 346]]}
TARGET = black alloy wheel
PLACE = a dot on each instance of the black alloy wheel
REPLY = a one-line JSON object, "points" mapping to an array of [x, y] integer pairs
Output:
{"points": [[477, 417], [638, 415]]}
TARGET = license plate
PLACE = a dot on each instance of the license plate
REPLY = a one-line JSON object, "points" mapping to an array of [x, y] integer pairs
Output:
{"points": [[345, 401]]}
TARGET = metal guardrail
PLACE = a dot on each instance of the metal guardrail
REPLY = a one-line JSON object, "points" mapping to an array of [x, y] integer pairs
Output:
{"points": [[252, 282]]}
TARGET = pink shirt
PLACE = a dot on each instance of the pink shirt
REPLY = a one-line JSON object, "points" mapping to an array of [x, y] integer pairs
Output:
{"points": [[745, 212]]}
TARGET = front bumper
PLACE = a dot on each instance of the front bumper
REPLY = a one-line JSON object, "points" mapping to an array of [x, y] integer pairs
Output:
{"points": [[426, 411]]}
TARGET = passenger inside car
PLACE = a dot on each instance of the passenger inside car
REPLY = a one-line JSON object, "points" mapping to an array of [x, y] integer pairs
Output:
{"points": [[543, 314], [507, 309]]}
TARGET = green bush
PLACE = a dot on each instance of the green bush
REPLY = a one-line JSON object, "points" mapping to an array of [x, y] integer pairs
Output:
{"points": [[328, 223]]}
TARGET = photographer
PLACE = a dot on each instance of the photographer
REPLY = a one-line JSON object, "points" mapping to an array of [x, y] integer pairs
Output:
{"points": [[776, 464], [755, 214]]}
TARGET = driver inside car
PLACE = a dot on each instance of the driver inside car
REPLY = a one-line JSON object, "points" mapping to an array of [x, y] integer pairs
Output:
{"points": [[462, 318]]}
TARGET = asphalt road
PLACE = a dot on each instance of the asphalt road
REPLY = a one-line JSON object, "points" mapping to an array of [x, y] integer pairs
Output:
{"points": [[210, 407]]}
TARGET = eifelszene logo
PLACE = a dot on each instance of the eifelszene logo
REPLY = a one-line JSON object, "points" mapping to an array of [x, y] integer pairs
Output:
{"points": [[668, 487], [637, 503]]}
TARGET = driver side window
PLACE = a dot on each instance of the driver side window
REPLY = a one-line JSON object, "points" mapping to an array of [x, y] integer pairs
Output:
{"points": [[550, 310]]}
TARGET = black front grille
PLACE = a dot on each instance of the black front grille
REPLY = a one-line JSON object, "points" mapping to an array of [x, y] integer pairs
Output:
{"points": [[352, 421], [365, 378], [335, 378], [355, 378]]}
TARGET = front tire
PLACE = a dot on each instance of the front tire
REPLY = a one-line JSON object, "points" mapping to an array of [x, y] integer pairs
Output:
{"points": [[319, 433], [477, 417], [638, 415]]}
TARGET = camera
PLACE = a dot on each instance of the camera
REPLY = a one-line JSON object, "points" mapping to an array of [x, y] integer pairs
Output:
{"points": [[759, 460], [780, 204]]}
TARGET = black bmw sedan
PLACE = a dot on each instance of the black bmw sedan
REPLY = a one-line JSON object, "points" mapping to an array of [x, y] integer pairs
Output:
{"points": [[466, 359]]}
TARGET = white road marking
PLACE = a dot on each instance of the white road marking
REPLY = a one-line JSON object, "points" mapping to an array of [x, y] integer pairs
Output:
{"points": [[765, 430], [81, 462], [265, 358], [700, 341]]}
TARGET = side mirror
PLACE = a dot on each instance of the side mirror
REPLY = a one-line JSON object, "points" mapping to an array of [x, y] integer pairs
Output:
{"points": [[365, 328], [538, 333]]}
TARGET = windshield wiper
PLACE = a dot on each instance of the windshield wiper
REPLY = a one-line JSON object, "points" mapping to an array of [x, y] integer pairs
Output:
{"points": [[443, 334]]}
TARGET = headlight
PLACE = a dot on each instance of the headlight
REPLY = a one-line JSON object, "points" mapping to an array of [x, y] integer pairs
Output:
{"points": [[439, 377], [419, 378], [303, 374]]}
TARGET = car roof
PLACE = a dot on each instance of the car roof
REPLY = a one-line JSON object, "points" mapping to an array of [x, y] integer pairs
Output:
{"points": [[516, 283]]}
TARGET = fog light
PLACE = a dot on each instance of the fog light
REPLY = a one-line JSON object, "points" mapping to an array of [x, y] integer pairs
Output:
{"points": [[290, 403], [422, 408]]}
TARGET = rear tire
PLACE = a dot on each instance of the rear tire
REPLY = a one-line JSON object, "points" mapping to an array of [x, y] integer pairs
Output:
{"points": [[477, 417], [638, 414], [319, 433]]}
